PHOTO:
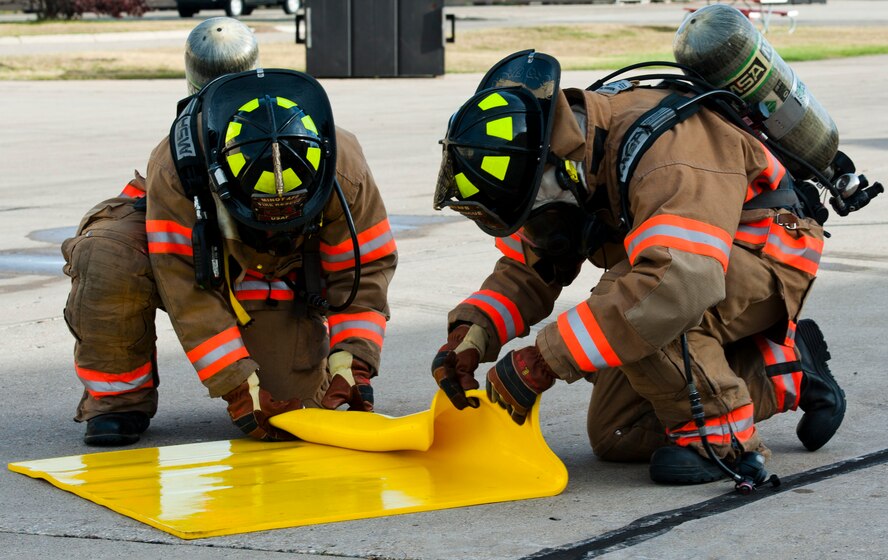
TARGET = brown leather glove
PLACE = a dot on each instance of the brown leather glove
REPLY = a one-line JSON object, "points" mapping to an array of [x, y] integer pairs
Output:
{"points": [[516, 380], [250, 407], [350, 383], [454, 366]]}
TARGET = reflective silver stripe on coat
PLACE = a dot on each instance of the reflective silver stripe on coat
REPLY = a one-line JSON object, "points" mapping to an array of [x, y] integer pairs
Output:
{"points": [[585, 339], [501, 310], [357, 324], [168, 237], [218, 353], [115, 386], [806, 252], [681, 233], [366, 247]]}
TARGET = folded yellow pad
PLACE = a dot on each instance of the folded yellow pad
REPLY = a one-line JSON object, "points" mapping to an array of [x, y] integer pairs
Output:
{"points": [[360, 465]]}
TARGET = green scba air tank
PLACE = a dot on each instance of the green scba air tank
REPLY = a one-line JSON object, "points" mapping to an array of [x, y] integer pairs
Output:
{"points": [[726, 49]]}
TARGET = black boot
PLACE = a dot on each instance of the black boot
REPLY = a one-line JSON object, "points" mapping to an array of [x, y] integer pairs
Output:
{"points": [[821, 397], [682, 465], [116, 428]]}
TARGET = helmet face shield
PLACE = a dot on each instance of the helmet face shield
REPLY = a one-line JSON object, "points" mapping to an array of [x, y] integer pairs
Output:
{"points": [[447, 195], [270, 146], [496, 145]]}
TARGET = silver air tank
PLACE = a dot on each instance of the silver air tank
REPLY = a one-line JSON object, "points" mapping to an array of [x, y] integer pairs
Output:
{"points": [[726, 49], [217, 46]]}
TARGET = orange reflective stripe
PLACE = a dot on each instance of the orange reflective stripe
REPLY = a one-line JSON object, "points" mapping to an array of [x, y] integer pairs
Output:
{"points": [[368, 325], [218, 352], [790, 334], [374, 243], [585, 340], [132, 191], [783, 369], [165, 236], [754, 233], [718, 430], [511, 247], [501, 311], [771, 176], [677, 232], [801, 252], [261, 289], [752, 191], [104, 383], [768, 179]]}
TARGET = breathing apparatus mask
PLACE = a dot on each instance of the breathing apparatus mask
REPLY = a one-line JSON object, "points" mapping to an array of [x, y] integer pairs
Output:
{"points": [[559, 229]]}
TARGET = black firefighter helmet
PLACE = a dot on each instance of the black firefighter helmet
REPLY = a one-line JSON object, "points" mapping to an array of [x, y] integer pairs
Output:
{"points": [[497, 143], [270, 147]]}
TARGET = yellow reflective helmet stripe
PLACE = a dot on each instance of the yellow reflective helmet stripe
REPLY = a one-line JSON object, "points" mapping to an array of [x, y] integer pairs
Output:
{"points": [[493, 100], [313, 155], [309, 124], [496, 166], [500, 128], [234, 128], [466, 188], [249, 106], [236, 162], [285, 103], [291, 180], [265, 183]]}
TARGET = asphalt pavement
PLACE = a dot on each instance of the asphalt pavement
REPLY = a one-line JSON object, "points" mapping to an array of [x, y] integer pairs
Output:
{"points": [[66, 145]]}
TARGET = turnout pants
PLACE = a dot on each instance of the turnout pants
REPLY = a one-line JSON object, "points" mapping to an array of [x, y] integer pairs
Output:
{"points": [[111, 312], [743, 361]]}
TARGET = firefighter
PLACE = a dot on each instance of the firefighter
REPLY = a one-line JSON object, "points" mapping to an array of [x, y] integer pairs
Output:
{"points": [[288, 321], [687, 254]]}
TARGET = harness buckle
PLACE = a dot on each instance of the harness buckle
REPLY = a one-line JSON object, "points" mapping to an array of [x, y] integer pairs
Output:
{"points": [[788, 221]]}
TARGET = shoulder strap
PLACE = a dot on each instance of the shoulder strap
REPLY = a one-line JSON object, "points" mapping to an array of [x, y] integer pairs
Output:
{"points": [[185, 150], [311, 271], [780, 198], [205, 238], [673, 109]]}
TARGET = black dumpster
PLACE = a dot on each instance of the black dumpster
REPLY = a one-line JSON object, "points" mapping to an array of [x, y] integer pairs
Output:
{"points": [[372, 38]]}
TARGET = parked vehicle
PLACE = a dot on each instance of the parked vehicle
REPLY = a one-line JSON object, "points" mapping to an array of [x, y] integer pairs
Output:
{"points": [[234, 8]]}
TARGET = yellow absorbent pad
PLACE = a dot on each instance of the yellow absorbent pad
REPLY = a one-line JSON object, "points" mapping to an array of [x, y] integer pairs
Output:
{"points": [[357, 465]]}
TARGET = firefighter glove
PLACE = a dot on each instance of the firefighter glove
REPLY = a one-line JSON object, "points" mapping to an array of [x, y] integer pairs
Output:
{"points": [[454, 366], [349, 383], [516, 380], [250, 407]]}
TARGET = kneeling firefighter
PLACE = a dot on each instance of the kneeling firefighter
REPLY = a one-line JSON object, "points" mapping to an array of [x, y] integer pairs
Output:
{"points": [[692, 335], [270, 250]]}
